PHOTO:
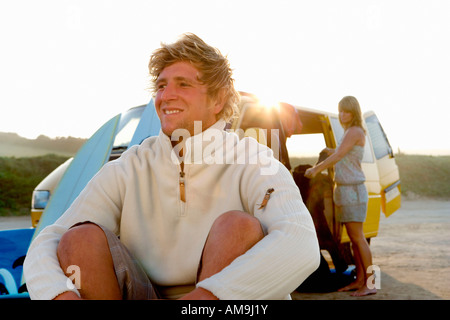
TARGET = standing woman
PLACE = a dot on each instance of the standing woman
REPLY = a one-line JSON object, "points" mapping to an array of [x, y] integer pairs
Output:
{"points": [[350, 194]]}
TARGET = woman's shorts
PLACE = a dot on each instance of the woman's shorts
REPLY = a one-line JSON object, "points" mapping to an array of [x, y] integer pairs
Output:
{"points": [[351, 201]]}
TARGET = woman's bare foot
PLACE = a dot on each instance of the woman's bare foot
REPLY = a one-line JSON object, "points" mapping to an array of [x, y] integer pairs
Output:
{"points": [[364, 291], [355, 285]]}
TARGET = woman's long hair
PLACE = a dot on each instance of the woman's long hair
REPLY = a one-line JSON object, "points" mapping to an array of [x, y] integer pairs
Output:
{"points": [[351, 104]]}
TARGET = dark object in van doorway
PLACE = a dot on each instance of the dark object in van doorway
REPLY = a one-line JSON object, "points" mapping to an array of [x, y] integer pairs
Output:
{"points": [[315, 193]]}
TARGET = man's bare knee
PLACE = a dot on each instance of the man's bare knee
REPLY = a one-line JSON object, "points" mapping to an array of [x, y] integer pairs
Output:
{"points": [[86, 247], [239, 222], [80, 240], [231, 235]]}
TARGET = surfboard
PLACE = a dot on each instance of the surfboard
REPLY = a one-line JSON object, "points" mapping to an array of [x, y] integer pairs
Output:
{"points": [[148, 126], [86, 163], [89, 159]]}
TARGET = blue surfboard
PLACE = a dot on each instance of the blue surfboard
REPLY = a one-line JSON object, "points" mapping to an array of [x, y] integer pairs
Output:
{"points": [[86, 163], [89, 159], [148, 126]]}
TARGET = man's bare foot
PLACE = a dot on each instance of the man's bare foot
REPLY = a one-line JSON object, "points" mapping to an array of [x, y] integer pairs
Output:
{"points": [[363, 291], [355, 285]]}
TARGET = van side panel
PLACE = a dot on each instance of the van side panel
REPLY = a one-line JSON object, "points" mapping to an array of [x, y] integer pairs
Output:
{"points": [[391, 199]]}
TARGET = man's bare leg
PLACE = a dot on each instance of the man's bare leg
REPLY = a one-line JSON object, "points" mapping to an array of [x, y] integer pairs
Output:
{"points": [[232, 234], [86, 246]]}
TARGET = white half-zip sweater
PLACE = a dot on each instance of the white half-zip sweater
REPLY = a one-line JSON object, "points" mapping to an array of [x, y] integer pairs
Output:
{"points": [[139, 197]]}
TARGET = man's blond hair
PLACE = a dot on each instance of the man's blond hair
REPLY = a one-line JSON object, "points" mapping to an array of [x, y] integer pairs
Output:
{"points": [[214, 68]]}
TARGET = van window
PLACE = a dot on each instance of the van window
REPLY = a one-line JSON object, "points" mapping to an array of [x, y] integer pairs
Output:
{"points": [[337, 128], [339, 132], [381, 146], [127, 126]]}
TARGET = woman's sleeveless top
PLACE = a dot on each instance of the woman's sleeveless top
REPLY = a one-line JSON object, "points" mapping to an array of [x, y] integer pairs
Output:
{"points": [[348, 170]]}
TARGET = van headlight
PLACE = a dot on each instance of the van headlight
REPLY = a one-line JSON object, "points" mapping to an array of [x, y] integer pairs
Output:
{"points": [[40, 199]]}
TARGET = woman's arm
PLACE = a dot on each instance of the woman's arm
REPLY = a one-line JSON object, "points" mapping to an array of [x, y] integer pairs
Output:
{"points": [[352, 137]]}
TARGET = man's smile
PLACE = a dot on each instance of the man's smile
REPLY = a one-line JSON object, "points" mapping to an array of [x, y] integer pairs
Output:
{"points": [[171, 111]]}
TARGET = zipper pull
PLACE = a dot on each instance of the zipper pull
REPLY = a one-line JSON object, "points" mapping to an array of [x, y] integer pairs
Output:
{"points": [[182, 189], [266, 198]]}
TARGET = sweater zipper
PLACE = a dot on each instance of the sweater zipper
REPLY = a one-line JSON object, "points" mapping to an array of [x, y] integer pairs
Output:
{"points": [[182, 187]]}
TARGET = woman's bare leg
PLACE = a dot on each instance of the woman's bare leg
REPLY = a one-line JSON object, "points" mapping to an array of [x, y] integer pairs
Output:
{"points": [[363, 259]]}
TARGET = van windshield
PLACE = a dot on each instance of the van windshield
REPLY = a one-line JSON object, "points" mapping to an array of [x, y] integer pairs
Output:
{"points": [[129, 121]]}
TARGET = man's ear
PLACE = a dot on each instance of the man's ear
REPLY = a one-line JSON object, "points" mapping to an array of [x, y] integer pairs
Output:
{"points": [[219, 101]]}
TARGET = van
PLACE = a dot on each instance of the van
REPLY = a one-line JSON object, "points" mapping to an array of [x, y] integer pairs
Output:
{"points": [[295, 134]]}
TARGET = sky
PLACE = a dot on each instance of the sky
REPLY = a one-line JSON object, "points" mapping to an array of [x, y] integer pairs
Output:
{"points": [[67, 66]]}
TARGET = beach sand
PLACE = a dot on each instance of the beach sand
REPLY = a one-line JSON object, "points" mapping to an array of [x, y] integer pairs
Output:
{"points": [[412, 250]]}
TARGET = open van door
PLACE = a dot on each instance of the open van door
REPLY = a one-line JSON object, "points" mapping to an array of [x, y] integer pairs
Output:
{"points": [[387, 168]]}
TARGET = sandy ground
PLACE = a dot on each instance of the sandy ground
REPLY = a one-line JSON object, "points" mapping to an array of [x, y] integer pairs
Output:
{"points": [[15, 222], [412, 250]]}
